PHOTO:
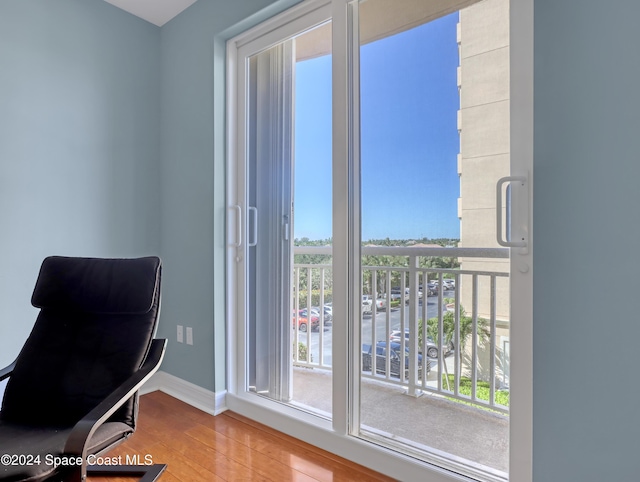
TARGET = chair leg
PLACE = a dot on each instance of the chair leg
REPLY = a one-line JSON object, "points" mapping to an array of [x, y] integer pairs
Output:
{"points": [[148, 473]]}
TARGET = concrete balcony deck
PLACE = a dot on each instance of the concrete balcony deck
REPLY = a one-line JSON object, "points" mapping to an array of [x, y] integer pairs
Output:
{"points": [[429, 422]]}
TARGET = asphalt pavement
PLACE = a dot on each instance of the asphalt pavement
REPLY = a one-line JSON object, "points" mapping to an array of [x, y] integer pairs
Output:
{"points": [[384, 321]]}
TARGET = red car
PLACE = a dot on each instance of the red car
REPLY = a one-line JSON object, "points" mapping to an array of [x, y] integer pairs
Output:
{"points": [[303, 321]]}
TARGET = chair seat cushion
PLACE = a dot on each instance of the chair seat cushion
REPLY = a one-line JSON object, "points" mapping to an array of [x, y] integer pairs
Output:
{"points": [[34, 449]]}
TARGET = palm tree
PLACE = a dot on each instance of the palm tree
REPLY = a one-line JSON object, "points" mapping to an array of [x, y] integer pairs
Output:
{"points": [[449, 327]]}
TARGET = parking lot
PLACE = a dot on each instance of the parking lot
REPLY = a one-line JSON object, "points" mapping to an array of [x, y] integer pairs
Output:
{"points": [[382, 329]]}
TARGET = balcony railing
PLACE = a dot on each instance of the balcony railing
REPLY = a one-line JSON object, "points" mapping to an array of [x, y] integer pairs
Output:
{"points": [[466, 323]]}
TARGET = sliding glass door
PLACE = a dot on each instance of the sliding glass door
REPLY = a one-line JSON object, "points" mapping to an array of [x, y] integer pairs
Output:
{"points": [[377, 215]]}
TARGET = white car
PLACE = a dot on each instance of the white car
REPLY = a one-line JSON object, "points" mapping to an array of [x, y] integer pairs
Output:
{"points": [[449, 284], [367, 304]]}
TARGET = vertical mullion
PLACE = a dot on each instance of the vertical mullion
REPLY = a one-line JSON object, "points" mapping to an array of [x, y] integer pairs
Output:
{"points": [[355, 321], [521, 55], [346, 219]]}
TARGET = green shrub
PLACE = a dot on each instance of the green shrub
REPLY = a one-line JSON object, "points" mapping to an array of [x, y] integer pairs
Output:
{"points": [[315, 298], [302, 352]]}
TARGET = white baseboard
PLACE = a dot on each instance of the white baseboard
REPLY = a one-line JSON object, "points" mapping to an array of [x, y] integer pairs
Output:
{"points": [[198, 397]]}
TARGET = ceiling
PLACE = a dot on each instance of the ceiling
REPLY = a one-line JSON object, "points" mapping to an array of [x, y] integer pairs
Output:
{"points": [[158, 12]]}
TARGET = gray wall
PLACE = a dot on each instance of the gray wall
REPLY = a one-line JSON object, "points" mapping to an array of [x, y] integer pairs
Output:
{"points": [[193, 181], [79, 143], [586, 221], [82, 86]]}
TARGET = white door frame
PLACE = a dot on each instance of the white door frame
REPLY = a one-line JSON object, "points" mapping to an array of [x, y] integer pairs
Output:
{"points": [[333, 436]]}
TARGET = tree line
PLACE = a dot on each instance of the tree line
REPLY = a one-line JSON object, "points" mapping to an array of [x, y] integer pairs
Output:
{"points": [[311, 278]]}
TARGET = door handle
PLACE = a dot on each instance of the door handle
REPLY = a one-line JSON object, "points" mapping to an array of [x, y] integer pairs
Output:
{"points": [[238, 240], [254, 241], [521, 243]]}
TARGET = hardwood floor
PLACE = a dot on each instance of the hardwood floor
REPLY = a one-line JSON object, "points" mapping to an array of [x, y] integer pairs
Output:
{"points": [[199, 447]]}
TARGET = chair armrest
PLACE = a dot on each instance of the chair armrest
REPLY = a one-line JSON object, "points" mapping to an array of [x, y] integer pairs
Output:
{"points": [[7, 371], [84, 429]]}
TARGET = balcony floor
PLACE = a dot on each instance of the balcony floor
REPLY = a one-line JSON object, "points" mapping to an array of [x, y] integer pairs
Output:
{"points": [[479, 436]]}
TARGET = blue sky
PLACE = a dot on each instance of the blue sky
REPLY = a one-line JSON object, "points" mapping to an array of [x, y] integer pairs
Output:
{"points": [[409, 138]]}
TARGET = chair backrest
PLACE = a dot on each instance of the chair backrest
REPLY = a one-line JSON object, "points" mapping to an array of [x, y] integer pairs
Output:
{"points": [[96, 322]]}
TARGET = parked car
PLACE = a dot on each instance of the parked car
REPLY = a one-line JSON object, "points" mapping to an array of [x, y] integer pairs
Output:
{"points": [[396, 294], [432, 349], [304, 312], [367, 304], [395, 359], [447, 348], [448, 284], [431, 288], [303, 321], [327, 314], [315, 315]]}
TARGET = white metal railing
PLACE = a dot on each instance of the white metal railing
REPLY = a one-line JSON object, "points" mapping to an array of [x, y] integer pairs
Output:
{"points": [[477, 361]]}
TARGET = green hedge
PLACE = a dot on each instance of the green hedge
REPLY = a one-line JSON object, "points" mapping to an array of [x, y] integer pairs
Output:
{"points": [[315, 297], [482, 390]]}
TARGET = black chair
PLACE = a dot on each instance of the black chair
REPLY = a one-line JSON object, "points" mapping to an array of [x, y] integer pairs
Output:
{"points": [[72, 391]]}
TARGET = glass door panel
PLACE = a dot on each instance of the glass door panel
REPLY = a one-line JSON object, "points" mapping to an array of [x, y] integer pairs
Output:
{"points": [[434, 141]]}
